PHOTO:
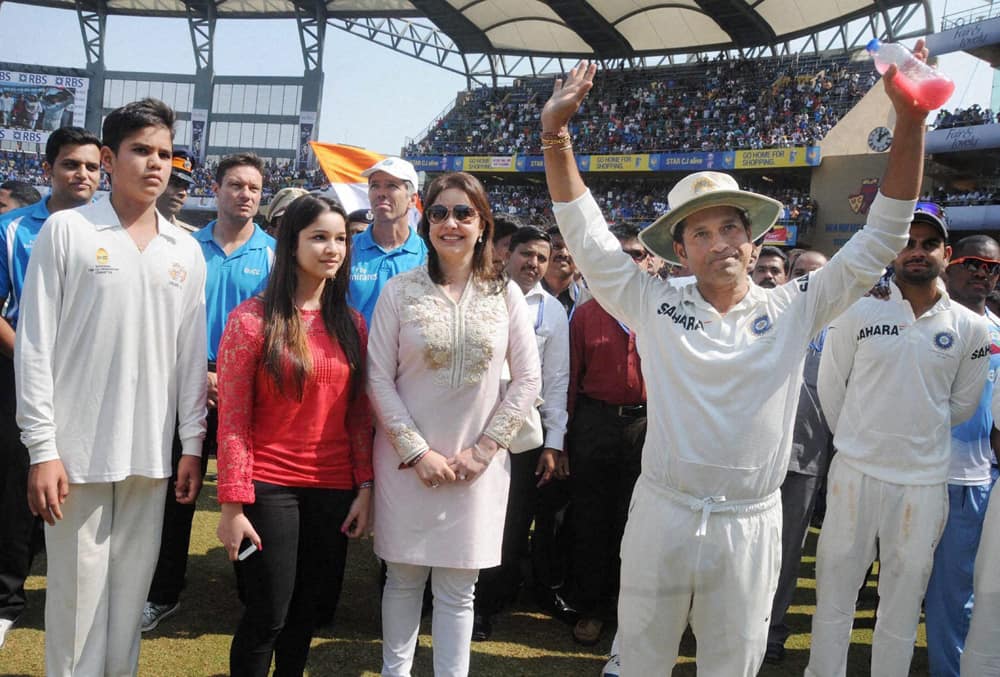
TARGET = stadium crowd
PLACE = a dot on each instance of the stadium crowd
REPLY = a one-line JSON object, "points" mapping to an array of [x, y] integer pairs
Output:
{"points": [[965, 117], [634, 201], [316, 365], [708, 106]]}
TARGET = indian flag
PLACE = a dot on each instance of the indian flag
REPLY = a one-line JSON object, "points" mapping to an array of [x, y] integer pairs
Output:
{"points": [[343, 165]]}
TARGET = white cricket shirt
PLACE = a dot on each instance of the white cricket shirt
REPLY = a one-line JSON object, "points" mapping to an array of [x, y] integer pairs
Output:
{"points": [[111, 347], [722, 390], [892, 385]]}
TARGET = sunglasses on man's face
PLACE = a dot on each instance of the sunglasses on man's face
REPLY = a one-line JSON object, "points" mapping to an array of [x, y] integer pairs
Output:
{"points": [[974, 264], [462, 213]]}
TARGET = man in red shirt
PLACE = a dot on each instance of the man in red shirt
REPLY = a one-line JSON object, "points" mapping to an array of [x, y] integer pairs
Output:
{"points": [[607, 408]]}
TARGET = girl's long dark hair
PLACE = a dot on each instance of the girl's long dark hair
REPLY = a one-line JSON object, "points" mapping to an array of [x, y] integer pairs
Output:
{"points": [[482, 256], [285, 344]]}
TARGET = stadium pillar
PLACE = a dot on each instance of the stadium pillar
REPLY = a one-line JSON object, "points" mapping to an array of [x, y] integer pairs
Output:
{"points": [[311, 19], [93, 16], [201, 23]]}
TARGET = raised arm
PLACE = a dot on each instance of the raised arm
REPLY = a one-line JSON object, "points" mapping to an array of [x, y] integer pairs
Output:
{"points": [[561, 173], [905, 168]]}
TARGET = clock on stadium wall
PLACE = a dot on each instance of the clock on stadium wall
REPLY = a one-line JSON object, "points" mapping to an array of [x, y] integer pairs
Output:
{"points": [[879, 139]]}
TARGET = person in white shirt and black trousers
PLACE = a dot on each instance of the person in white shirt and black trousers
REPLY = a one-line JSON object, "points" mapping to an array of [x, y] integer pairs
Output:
{"points": [[537, 448]]}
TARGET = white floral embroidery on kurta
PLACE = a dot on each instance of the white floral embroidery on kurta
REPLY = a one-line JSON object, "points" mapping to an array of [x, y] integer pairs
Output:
{"points": [[462, 339]]}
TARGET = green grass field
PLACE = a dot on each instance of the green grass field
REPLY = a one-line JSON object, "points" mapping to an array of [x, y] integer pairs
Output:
{"points": [[195, 641]]}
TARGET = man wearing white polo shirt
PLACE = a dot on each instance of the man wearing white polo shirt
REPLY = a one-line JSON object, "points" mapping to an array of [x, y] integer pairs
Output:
{"points": [[916, 352], [722, 361]]}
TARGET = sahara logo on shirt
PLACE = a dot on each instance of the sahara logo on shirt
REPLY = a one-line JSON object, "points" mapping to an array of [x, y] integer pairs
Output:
{"points": [[983, 351], [877, 330], [687, 322]]}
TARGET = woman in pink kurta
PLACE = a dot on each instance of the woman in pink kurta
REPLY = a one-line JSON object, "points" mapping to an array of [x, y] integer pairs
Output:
{"points": [[440, 336]]}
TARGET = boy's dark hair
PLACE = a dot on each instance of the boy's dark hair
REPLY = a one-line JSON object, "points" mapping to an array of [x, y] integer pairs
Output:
{"points": [[22, 191], [238, 160], [131, 117], [68, 136], [528, 234]]}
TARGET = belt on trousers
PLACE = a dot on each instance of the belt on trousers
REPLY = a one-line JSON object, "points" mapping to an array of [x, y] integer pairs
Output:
{"points": [[711, 504], [619, 410]]}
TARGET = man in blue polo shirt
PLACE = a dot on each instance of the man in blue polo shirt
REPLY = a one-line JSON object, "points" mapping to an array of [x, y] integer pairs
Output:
{"points": [[389, 246], [73, 165], [238, 255]]}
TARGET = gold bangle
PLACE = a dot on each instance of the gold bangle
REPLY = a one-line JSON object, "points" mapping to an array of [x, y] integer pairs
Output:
{"points": [[560, 140]]}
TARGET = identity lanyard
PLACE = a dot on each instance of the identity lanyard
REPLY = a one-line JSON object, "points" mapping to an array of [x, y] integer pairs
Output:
{"points": [[624, 328]]}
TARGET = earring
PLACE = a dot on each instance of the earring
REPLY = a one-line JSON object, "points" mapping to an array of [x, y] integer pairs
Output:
{"points": [[480, 240]]}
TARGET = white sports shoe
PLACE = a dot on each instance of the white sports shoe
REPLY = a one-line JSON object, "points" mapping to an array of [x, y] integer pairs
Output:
{"points": [[5, 625]]}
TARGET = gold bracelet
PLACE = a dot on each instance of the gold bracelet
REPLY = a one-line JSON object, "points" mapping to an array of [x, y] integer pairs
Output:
{"points": [[559, 140]]}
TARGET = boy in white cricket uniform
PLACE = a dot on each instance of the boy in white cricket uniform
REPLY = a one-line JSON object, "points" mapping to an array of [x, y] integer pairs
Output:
{"points": [[109, 355], [895, 376], [722, 360]]}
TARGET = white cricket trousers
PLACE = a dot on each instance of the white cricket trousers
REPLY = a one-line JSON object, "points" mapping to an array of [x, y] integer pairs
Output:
{"points": [[906, 522], [707, 562], [981, 657], [451, 629], [101, 558]]}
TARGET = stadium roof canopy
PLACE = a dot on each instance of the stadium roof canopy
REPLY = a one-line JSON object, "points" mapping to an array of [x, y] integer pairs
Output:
{"points": [[495, 37]]}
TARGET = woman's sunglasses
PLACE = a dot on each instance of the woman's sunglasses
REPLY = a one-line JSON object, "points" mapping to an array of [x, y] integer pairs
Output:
{"points": [[462, 213], [974, 264]]}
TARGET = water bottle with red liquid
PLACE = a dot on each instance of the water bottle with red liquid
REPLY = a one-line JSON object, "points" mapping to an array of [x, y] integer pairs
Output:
{"points": [[929, 87]]}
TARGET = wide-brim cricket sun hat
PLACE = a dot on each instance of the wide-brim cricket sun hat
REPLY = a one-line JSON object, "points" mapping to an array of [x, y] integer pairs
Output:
{"points": [[702, 190]]}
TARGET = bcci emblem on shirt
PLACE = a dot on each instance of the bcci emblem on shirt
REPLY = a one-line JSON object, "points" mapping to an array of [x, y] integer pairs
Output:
{"points": [[944, 340], [761, 325]]}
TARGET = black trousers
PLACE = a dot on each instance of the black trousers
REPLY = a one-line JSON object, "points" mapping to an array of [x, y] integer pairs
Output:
{"points": [[302, 544], [498, 585], [605, 461], [20, 531], [552, 538], [171, 565]]}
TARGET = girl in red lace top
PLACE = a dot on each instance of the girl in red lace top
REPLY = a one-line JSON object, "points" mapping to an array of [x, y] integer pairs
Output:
{"points": [[295, 438]]}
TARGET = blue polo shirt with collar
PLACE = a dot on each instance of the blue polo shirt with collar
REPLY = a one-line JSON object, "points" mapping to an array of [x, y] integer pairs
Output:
{"points": [[372, 267], [18, 230], [232, 279]]}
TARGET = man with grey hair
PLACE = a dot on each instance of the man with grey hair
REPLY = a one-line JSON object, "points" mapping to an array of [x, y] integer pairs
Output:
{"points": [[390, 246]]}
